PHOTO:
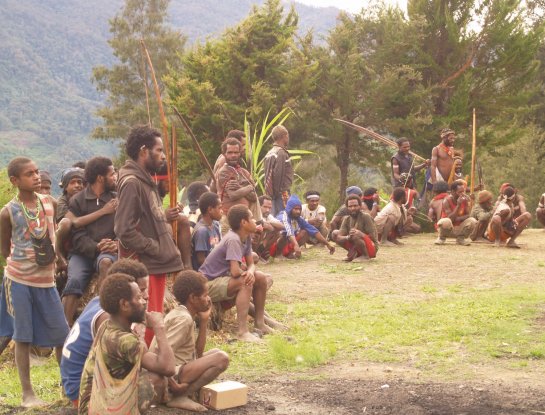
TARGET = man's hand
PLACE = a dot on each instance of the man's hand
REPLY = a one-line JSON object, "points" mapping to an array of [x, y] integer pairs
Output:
{"points": [[411, 211], [205, 315], [355, 234], [249, 277], [60, 265], [172, 214], [427, 162], [177, 388], [297, 251], [107, 245], [154, 320], [110, 207], [232, 185], [331, 248]]}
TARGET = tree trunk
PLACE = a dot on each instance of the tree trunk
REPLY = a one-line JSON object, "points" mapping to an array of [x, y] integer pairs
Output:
{"points": [[343, 161]]}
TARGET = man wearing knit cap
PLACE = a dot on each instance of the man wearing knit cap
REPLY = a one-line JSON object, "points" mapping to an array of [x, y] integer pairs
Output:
{"points": [[342, 212], [71, 183], [315, 214], [483, 212], [45, 182], [296, 232]]}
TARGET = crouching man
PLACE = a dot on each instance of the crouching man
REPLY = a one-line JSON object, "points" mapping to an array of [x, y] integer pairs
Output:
{"points": [[194, 367], [358, 234], [112, 379]]}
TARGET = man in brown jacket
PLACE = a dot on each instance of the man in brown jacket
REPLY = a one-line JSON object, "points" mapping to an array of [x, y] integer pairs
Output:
{"points": [[278, 169], [141, 224]]}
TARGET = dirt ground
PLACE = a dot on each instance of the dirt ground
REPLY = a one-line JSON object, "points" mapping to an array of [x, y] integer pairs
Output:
{"points": [[359, 387]]}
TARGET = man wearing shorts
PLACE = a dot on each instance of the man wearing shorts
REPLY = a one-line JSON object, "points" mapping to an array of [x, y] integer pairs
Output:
{"points": [[30, 307], [226, 278], [194, 367]]}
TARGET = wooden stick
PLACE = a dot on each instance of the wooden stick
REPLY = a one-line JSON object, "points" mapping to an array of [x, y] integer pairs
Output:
{"points": [[376, 136], [204, 160], [173, 179], [145, 79], [473, 153], [164, 122]]}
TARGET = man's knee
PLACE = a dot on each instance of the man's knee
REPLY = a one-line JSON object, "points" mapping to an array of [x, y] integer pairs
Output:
{"points": [[104, 265], [221, 360]]}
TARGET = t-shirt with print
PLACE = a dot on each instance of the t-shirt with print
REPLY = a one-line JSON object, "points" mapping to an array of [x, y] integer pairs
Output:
{"points": [[205, 238], [121, 349], [231, 248], [180, 330]]}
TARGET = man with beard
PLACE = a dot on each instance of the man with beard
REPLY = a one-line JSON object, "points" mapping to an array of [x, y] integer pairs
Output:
{"points": [[455, 221], [505, 225], [141, 224], [261, 242], [112, 379], [358, 233], [278, 169], [94, 248], [235, 184], [296, 232], [442, 157], [403, 168]]}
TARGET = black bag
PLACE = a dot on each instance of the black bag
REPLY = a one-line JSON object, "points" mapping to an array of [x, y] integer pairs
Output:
{"points": [[43, 249]]}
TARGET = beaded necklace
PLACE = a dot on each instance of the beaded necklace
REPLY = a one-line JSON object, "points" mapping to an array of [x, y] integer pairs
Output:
{"points": [[28, 214]]}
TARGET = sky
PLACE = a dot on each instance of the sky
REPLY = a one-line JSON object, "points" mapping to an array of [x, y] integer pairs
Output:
{"points": [[353, 6]]}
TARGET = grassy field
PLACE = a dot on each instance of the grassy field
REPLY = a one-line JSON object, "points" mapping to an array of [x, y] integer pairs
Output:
{"points": [[447, 312]]}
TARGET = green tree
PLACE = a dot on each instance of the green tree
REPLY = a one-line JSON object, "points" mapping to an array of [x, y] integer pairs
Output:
{"points": [[124, 83], [253, 68]]}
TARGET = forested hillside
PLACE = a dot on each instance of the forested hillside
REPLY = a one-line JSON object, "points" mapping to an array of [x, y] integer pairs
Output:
{"points": [[47, 51]]}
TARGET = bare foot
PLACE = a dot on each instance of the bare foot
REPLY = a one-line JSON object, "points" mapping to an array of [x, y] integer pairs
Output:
{"points": [[276, 325], [348, 259], [497, 243], [398, 242], [512, 244], [361, 258], [249, 337], [32, 401], [183, 402], [265, 329], [387, 244]]}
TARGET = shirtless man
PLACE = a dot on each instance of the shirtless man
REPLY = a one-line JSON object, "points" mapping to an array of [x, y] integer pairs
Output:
{"points": [[392, 215], [442, 157], [440, 189], [505, 225], [455, 220], [540, 211]]}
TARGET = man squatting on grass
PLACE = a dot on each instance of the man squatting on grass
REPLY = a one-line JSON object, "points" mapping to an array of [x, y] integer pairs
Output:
{"points": [[30, 307], [194, 367], [358, 233]]}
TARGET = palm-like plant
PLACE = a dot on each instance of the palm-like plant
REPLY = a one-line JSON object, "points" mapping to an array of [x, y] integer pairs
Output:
{"points": [[255, 145]]}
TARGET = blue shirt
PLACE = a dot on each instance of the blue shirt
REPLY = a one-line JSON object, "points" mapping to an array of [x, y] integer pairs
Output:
{"points": [[205, 238]]}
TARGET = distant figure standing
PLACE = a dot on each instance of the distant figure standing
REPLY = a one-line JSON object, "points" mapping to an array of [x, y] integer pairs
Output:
{"points": [[278, 169], [403, 168], [141, 225], [442, 157]]}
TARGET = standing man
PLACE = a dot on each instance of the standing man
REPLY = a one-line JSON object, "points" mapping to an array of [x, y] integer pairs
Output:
{"points": [[442, 157], [94, 248], [235, 184], [403, 168], [278, 169], [141, 224], [30, 307]]}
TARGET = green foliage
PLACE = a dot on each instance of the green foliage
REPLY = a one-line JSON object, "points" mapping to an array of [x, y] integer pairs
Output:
{"points": [[126, 82], [255, 144], [254, 68]]}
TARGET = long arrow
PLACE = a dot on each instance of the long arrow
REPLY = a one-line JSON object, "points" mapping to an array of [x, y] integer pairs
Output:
{"points": [[370, 133], [204, 160]]}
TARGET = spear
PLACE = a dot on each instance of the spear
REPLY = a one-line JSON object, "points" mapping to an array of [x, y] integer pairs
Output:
{"points": [[370, 133], [204, 160], [473, 152]]}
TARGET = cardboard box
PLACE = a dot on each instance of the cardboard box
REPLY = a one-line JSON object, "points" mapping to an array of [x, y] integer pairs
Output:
{"points": [[224, 395]]}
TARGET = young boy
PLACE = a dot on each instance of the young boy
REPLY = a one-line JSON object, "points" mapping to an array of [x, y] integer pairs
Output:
{"points": [[29, 295]]}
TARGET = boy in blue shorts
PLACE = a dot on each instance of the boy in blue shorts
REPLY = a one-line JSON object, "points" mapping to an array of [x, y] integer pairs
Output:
{"points": [[29, 296]]}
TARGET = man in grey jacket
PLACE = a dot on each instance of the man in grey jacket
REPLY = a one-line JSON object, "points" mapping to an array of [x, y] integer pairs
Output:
{"points": [[278, 170], [141, 224]]}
